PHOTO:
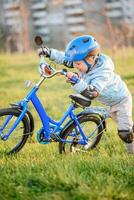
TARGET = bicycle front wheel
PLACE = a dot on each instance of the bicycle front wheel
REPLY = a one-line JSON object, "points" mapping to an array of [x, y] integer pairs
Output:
{"points": [[18, 137], [92, 128]]}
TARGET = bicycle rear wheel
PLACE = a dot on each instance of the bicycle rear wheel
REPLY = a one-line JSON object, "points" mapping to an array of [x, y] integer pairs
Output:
{"points": [[89, 124], [18, 137]]}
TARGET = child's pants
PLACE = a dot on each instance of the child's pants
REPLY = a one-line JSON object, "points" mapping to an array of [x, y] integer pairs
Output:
{"points": [[122, 113]]}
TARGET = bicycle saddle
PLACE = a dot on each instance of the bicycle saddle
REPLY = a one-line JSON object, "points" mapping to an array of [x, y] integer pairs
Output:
{"points": [[80, 99]]}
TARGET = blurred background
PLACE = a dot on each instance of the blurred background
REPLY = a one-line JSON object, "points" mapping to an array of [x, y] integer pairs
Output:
{"points": [[58, 21]]}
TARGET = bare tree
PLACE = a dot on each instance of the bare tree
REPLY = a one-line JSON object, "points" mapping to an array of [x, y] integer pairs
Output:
{"points": [[25, 13]]}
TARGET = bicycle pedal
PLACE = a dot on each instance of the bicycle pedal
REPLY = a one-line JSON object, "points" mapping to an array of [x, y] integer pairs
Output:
{"points": [[53, 138], [41, 139], [44, 141], [75, 141]]}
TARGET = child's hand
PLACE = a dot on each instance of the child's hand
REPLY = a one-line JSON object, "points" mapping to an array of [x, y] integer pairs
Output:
{"points": [[39, 51], [71, 74], [44, 51], [73, 78]]}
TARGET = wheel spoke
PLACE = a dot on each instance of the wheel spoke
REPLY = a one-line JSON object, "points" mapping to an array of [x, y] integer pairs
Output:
{"points": [[19, 136], [92, 129]]}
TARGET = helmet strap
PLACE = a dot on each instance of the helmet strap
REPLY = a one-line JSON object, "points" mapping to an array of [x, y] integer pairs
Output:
{"points": [[88, 64]]}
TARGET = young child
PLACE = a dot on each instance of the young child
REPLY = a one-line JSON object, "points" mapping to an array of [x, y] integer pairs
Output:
{"points": [[98, 80]]}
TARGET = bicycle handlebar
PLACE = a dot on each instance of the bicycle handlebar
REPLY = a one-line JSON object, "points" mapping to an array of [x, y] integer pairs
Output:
{"points": [[47, 71]]}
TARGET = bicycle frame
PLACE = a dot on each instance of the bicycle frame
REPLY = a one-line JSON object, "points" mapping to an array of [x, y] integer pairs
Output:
{"points": [[46, 120]]}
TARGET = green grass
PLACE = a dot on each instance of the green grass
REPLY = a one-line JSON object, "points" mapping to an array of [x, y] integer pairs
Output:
{"points": [[38, 172]]}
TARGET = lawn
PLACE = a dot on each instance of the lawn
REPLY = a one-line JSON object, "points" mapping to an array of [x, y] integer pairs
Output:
{"points": [[38, 172]]}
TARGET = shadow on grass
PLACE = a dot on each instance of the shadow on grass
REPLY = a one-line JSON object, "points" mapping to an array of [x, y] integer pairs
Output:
{"points": [[128, 77]]}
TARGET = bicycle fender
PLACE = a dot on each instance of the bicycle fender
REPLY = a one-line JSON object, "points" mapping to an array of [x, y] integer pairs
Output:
{"points": [[31, 119], [102, 114], [79, 115]]}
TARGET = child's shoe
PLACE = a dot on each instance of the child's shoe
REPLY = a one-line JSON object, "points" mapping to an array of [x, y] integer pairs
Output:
{"points": [[130, 147]]}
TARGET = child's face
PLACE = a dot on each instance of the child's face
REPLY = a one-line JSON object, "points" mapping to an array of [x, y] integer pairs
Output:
{"points": [[81, 66]]}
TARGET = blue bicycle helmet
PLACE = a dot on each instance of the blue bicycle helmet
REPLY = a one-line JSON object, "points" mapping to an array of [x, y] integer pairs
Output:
{"points": [[79, 48]]}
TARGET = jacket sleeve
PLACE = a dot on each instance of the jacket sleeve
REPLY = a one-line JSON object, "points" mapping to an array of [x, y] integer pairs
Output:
{"points": [[99, 77], [103, 76], [81, 86], [57, 56]]}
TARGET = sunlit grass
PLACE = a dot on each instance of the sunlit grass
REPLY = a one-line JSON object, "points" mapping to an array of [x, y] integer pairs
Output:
{"points": [[38, 171]]}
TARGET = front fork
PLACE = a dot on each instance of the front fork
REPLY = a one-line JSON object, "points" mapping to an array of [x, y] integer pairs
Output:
{"points": [[22, 104]]}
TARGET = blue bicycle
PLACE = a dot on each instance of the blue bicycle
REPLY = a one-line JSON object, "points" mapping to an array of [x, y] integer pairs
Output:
{"points": [[82, 132]]}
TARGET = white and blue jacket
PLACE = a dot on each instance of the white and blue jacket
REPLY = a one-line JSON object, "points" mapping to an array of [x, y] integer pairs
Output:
{"points": [[109, 85]]}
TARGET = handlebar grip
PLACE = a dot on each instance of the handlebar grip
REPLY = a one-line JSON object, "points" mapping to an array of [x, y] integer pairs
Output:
{"points": [[74, 80]]}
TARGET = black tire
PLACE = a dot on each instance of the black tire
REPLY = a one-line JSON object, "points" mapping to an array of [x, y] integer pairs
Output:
{"points": [[89, 118], [17, 139]]}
